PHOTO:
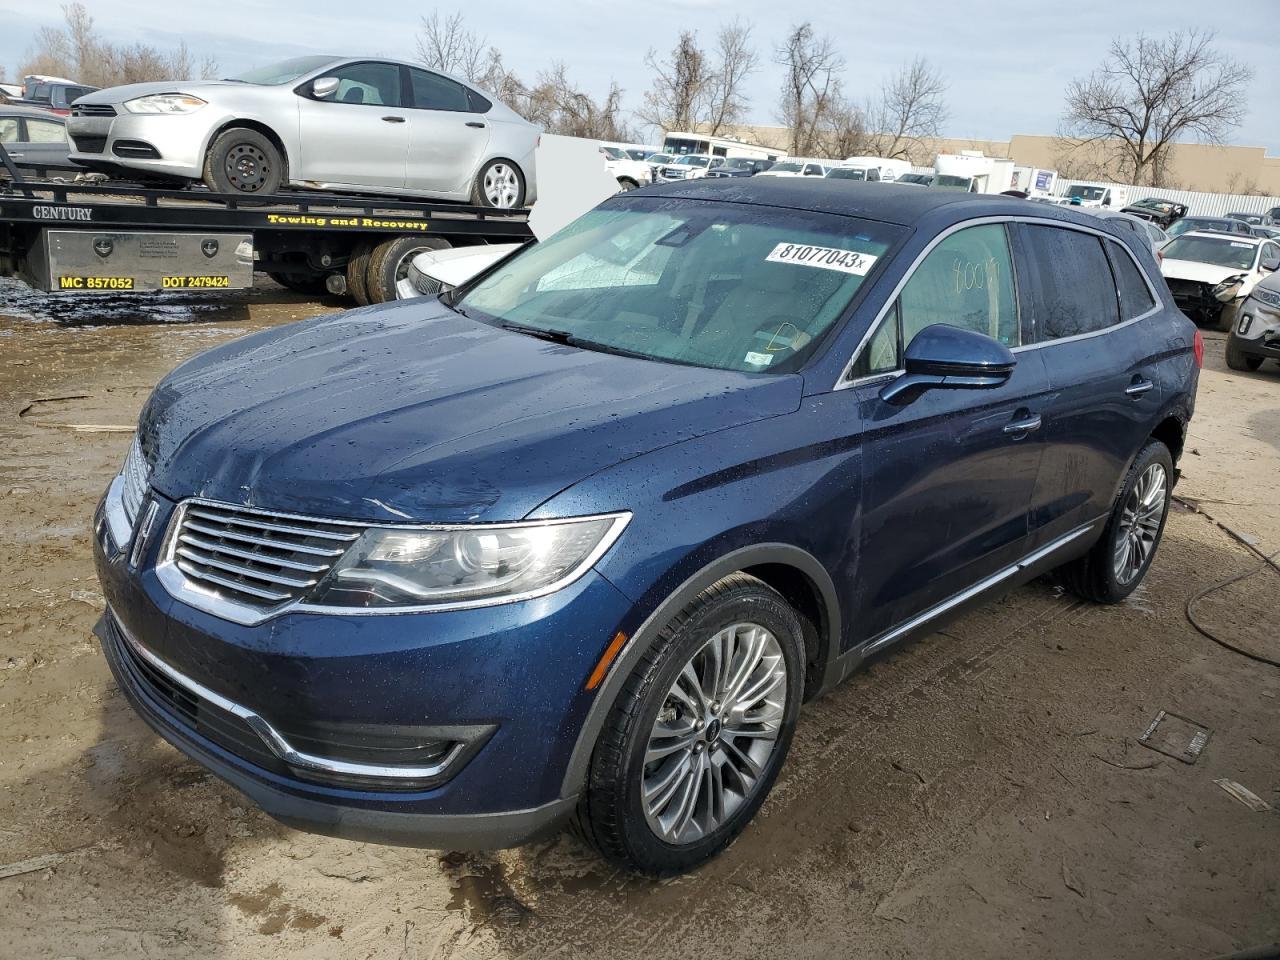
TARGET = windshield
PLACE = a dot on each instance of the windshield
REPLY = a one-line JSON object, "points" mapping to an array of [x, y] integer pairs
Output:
{"points": [[722, 285], [285, 71], [1160, 206], [681, 145], [614, 153], [787, 166], [948, 181], [1086, 193], [847, 173], [693, 161], [1219, 251], [916, 178], [1246, 217], [659, 158], [1190, 223], [739, 163]]}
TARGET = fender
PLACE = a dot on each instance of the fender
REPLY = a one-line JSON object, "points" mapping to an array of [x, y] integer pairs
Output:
{"points": [[645, 635]]}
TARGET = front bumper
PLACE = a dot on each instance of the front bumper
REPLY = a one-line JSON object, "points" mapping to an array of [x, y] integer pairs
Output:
{"points": [[107, 143], [1257, 328], [505, 682]]}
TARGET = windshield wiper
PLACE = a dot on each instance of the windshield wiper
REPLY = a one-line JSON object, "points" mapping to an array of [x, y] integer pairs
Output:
{"points": [[555, 336], [570, 340]]}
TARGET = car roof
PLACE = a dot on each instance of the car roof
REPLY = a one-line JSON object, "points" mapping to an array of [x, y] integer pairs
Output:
{"points": [[886, 202], [17, 110]]}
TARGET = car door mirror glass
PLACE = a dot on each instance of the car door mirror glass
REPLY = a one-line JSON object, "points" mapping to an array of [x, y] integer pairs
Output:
{"points": [[942, 356], [325, 87]]}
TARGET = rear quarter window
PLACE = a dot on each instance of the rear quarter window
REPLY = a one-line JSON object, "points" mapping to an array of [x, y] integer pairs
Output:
{"points": [[1135, 295], [1071, 290]]}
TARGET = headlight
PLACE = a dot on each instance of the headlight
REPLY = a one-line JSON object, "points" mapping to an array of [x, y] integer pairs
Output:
{"points": [[1228, 288], [424, 285], [165, 103], [1266, 296], [465, 566]]}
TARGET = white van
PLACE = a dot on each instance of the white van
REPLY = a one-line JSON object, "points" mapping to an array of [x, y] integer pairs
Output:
{"points": [[870, 168]]}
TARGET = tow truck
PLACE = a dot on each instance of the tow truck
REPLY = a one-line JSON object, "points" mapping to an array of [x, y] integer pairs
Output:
{"points": [[112, 237]]}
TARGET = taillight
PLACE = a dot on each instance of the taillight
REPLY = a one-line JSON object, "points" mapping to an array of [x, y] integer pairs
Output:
{"points": [[1198, 346]]}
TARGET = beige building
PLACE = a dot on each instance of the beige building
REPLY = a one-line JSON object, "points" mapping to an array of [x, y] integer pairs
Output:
{"points": [[1193, 166]]}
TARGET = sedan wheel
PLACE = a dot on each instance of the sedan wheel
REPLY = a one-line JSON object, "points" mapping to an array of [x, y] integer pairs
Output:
{"points": [[501, 186], [715, 733]]}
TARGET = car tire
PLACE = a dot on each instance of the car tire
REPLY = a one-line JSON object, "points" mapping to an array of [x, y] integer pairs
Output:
{"points": [[1237, 359], [243, 161], [500, 185], [357, 271], [744, 616], [311, 285], [626, 183], [1119, 561], [389, 260]]}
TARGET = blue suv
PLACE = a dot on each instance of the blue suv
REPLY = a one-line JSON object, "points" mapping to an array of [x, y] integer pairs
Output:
{"points": [[574, 541]]}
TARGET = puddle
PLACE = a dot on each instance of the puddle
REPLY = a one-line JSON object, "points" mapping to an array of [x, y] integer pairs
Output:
{"points": [[80, 310]]}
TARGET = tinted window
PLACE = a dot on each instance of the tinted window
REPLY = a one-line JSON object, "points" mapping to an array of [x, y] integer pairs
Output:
{"points": [[372, 84], [965, 281], [1075, 293], [45, 131], [434, 92], [1135, 295]]}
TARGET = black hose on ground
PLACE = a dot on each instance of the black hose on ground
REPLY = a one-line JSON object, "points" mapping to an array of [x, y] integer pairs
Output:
{"points": [[1267, 561]]}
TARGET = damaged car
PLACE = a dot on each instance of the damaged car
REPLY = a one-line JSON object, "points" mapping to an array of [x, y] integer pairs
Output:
{"points": [[1255, 336], [1211, 274]]}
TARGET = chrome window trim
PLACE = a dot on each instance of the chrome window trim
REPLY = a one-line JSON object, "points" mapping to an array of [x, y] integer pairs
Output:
{"points": [[276, 743], [843, 383], [182, 588]]}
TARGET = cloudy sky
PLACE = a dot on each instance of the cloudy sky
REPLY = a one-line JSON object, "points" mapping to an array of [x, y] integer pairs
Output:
{"points": [[1007, 62]]}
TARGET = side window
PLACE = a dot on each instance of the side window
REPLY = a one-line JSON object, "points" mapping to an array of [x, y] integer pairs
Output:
{"points": [[1075, 293], [371, 84], [965, 281], [8, 130], [873, 174], [480, 104], [1135, 295], [434, 92], [45, 131], [1269, 252]]}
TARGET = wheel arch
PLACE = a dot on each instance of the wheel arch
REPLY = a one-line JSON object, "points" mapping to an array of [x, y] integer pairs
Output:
{"points": [[257, 126], [795, 573], [1171, 431]]}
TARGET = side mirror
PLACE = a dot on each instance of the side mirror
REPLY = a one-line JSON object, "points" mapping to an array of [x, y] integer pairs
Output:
{"points": [[1271, 266], [325, 87], [950, 357]]}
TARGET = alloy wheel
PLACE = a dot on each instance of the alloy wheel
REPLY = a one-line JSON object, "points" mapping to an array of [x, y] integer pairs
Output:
{"points": [[1140, 523], [501, 186], [715, 733]]}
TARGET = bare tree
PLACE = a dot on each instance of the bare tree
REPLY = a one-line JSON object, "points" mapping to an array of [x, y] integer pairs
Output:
{"points": [[446, 43], [1151, 92], [560, 107], [681, 84], [843, 132], [911, 110], [811, 85], [75, 51], [735, 61]]}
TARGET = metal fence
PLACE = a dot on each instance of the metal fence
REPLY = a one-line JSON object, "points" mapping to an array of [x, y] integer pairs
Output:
{"points": [[1199, 204]]}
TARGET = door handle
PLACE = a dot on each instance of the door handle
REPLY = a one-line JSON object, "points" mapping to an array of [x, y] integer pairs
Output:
{"points": [[1020, 428], [394, 119], [1138, 388], [13, 154], [475, 123]]}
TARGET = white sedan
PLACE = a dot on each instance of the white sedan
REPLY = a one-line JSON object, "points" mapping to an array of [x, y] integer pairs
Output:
{"points": [[1211, 274]]}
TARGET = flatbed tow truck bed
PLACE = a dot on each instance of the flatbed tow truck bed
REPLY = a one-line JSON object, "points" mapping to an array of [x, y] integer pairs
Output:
{"points": [[120, 237]]}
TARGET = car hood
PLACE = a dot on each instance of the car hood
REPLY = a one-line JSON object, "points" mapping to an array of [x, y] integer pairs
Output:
{"points": [[132, 91], [412, 412], [1197, 271]]}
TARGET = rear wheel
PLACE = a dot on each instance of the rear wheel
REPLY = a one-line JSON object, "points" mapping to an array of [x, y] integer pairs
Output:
{"points": [[357, 270], [243, 161], [389, 264], [698, 733], [499, 184], [1237, 359], [626, 183], [1119, 561]]}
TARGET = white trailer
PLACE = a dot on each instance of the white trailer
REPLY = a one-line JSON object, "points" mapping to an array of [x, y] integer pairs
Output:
{"points": [[972, 172], [1036, 182]]}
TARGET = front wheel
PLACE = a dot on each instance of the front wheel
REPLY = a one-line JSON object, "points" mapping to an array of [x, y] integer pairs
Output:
{"points": [[1237, 359], [500, 185], [1119, 560], [243, 161], [699, 731]]}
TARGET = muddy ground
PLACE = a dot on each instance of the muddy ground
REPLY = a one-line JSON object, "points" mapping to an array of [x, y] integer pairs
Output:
{"points": [[977, 794]]}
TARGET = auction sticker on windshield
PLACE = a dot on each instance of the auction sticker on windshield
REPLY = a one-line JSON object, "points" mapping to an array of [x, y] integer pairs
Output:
{"points": [[827, 258]]}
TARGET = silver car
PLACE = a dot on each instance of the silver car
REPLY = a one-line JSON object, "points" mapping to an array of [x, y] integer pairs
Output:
{"points": [[332, 123]]}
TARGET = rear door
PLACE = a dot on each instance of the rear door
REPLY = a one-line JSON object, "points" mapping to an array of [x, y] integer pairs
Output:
{"points": [[359, 135], [44, 142], [949, 476], [449, 134], [1094, 321]]}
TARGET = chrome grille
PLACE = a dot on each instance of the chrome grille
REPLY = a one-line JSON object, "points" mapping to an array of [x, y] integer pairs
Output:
{"points": [[136, 476], [255, 558], [92, 110]]}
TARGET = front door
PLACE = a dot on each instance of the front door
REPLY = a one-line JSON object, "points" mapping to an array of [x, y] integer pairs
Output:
{"points": [[358, 135], [948, 477], [449, 136]]}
